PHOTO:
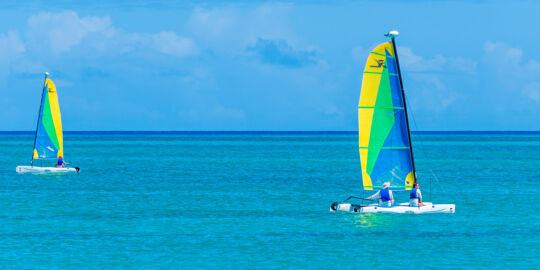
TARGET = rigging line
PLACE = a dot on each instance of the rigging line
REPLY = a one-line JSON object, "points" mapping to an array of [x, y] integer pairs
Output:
{"points": [[430, 194], [412, 113], [437, 179]]}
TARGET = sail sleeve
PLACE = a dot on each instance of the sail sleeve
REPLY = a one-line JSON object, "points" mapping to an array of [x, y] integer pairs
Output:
{"points": [[383, 136], [49, 138]]}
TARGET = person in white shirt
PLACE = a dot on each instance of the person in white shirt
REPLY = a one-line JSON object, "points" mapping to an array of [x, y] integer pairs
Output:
{"points": [[385, 196], [416, 196]]}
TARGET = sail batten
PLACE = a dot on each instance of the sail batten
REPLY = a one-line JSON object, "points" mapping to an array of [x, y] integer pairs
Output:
{"points": [[388, 56], [373, 107], [397, 147], [384, 144]]}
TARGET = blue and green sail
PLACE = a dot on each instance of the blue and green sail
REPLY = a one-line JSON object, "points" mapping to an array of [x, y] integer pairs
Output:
{"points": [[49, 138], [385, 153]]}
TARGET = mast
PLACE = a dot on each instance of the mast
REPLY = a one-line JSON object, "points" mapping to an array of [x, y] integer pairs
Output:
{"points": [[39, 117], [392, 34]]}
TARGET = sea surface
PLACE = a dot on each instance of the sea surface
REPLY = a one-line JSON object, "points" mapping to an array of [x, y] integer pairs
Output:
{"points": [[261, 201]]}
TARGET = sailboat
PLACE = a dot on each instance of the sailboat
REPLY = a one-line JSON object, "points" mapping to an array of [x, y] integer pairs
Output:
{"points": [[48, 139], [385, 147]]}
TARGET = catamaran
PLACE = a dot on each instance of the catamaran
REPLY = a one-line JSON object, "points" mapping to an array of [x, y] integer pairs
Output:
{"points": [[48, 139], [385, 147]]}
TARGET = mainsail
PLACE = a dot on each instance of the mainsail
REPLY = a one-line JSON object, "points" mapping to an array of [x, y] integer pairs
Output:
{"points": [[48, 142], [384, 140]]}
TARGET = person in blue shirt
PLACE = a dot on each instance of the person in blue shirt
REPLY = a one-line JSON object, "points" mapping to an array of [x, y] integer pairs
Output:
{"points": [[60, 162], [385, 196], [416, 196]]}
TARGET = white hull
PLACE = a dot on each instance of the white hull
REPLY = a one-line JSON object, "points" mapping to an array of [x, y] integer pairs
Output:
{"points": [[402, 208], [35, 169]]}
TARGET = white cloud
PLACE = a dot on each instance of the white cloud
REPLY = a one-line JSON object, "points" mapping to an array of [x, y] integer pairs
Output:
{"points": [[411, 62], [504, 53], [432, 79], [62, 31], [360, 54], [532, 91], [211, 22], [10, 45], [279, 52], [431, 93], [232, 28], [11, 51], [171, 43], [512, 71], [507, 60], [429, 72], [49, 37]]}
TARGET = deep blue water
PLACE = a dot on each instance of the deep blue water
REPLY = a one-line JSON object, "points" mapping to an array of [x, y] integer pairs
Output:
{"points": [[261, 200]]}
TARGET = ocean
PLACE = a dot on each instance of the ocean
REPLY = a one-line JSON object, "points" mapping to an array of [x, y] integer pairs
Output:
{"points": [[260, 200]]}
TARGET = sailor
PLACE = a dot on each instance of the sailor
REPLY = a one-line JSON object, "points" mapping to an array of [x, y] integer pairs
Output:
{"points": [[416, 196], [60, 163], [385, 196]]}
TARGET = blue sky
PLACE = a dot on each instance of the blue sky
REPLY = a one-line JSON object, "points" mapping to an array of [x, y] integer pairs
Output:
{"points": [[246, 65]]}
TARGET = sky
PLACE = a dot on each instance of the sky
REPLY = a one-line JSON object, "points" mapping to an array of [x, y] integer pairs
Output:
{"points": [[268, 65]]}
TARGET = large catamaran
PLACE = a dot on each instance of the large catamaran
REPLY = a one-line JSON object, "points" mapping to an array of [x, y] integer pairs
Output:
{"points": [[386, 153], [48, 139]]}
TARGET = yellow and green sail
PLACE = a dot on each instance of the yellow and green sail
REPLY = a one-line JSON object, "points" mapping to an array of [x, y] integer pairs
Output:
{"points": [[385, 153], [49, 140]]}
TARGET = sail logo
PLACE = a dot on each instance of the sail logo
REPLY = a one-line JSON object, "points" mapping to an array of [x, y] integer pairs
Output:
{"points": [[380, 63], [51, 90]]}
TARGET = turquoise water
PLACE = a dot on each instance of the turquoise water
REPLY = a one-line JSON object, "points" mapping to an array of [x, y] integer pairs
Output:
{"points": [[261, 202]]}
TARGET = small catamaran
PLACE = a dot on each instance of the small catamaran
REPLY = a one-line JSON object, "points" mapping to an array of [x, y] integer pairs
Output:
{"points": [[384, 136], [48, 139]]}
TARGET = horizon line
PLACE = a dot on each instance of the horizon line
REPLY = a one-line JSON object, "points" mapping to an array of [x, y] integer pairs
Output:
{"points": [[265, 132]]}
